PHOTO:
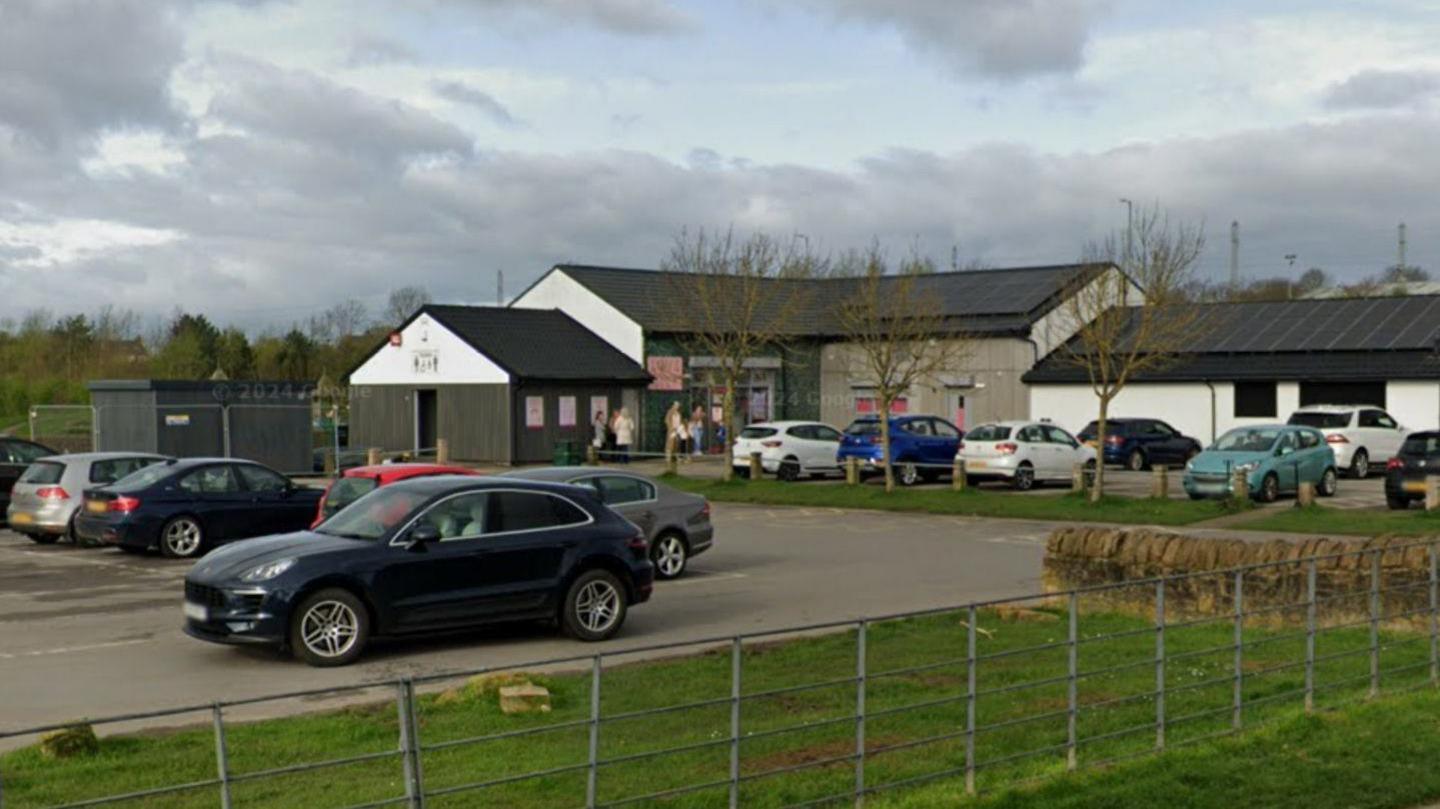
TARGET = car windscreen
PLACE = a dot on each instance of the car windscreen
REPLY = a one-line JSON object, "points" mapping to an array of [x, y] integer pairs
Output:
{"points": [[988, 432], [43, 473], [374, 515], [1323, 421], [346, 491], [144, 478], [758, 432], [863, 428], [1247, 439]]}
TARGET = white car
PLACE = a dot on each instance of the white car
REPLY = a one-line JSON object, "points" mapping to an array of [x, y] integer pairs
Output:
{"points": [[1362, 436], [1022, 452], [789, 449]]}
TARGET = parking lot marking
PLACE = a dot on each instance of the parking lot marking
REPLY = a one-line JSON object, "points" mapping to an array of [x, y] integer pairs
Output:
{"points": [[70, 649]]}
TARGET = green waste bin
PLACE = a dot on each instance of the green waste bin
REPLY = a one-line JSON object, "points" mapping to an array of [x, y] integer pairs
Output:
{"points": [[567, 453]]}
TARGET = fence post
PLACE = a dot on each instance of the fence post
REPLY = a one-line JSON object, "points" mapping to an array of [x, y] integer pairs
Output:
{"points": [[860, 714], [409, 745], [1375, 624], [957, 475], [1077, 478], [757, 470], [970, 703], [1161, 487], [1432, 492], [592, 455], [1434, 617], [442, 451], [1237, 699], [225, 429], [592, 778], [1072, 709], [735, 654], [372, 456], [852, 471], [1310, 636], [1305, 494], [222, 756], [1160, 664]]}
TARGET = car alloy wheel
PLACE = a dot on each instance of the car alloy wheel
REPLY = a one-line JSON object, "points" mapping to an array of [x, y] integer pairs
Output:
{"points": [[181, 538], [1024, 479], [1269, 489], [597, 606], [1360, 466], [1136, 461], [669, 556], [1329, 483], [329, 629], [909, 474]]}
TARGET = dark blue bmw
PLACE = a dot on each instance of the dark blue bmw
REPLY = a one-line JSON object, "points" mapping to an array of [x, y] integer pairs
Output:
{"points": [[424, 556], [189, 506]]}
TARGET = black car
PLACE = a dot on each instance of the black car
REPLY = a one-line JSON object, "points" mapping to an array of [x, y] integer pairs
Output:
{"points": [[1405, 474], [1138, 444], [16, 455], [189, 506], [422, 556]]}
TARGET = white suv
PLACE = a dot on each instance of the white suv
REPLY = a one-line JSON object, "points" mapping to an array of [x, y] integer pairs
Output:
{"points": [[1023, 452], [789, 449], [1362, 436]]}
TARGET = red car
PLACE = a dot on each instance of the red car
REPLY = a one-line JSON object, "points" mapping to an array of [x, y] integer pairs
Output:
{"points": [[362, 480]]}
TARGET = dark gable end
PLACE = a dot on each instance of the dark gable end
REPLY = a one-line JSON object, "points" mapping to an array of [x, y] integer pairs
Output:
{"points": [[1325, 339], [537, 344]]}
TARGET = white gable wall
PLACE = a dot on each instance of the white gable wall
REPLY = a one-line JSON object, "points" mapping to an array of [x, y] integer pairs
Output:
{"points": [[428, 354], [1058, 325], [559, 291]]}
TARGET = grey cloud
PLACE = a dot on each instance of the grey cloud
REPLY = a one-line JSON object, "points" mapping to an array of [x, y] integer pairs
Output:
{"points": [[634, 17], [370, 49], [462, 93], [1004, 39], [1382, 89], [69, 68]]}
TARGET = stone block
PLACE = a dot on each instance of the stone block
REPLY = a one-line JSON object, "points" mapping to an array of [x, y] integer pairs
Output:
{"points": [[524, 698]]}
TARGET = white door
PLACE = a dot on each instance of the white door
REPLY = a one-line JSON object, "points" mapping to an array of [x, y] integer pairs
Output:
{"points": [[1037, 450], [1388, 435], [1068, 450], [821, 446]]}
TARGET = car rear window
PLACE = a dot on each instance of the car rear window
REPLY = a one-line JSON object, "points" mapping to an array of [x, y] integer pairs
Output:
{"points": [[758, 432], [1111, 428], [1414, 445], [43, 473], [1323, 421], [346, 491], [863, 428], [988, 432]]}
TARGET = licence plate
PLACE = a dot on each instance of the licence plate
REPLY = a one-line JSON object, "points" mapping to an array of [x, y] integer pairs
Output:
{"points": [[1091, 444], [196, 612], [974, 464], [1414, 486], [21, 519], [95, 506]]}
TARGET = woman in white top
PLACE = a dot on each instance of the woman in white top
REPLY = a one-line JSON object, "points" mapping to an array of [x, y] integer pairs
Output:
{"points": [[624, 434]]}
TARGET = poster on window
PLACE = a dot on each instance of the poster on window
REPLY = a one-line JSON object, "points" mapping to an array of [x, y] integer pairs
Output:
{"points": [[535, 412], [668, 372], [600, 405], [567, 411]]}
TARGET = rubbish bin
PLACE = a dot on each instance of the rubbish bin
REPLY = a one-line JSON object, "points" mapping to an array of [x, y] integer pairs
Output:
{"points": [[567, 453]]}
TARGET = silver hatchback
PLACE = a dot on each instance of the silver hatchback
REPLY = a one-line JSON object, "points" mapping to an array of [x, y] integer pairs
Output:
{"points": [[46, 497]]}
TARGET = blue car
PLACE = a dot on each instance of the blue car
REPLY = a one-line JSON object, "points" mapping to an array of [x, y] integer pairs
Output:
{"points": [[421, 556], [189, 506], [1138, 444], [923, 447], [1275, 458]]}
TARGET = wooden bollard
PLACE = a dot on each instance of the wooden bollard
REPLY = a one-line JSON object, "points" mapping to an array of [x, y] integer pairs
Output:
{"points": [[372, 456], [592, 454], [442, 451], [672, 463], [1432, 493], [852, 471], [332, 463], [957, 475], [1305, 494], [1077, 478], [1241, 489], [756, 470], [1160, 490]]}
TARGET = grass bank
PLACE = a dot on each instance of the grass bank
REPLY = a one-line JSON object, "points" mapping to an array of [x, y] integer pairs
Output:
{"points": [[798, 709], [971, 502], [1327, 520]]}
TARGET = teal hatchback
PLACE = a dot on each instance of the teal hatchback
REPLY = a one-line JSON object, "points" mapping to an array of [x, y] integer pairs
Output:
{"points": [[1275, 457]]}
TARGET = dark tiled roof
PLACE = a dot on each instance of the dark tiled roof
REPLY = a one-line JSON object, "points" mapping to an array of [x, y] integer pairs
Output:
{"points": [[1001, 301], [1356, 338], [537, 344]]}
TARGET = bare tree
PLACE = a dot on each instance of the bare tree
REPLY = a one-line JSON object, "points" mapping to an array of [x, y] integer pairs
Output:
{"points": [[403, 302], [734, 301], [897, 335], [1134, 320]]}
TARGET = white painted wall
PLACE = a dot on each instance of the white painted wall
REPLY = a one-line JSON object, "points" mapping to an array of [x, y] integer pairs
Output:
{"points": [[559, 291], [1416, 405], [428, 354], [1059, 324]]}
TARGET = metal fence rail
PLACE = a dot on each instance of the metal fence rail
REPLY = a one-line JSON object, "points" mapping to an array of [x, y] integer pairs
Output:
{"points": [[818, 715]]}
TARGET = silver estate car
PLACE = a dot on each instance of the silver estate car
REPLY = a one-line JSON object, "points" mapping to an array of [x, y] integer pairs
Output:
{"points": [[676, 524], [46, 497]]}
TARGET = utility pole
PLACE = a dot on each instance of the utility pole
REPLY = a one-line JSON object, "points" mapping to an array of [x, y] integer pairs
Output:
{"points": [[1234, 255], [499, 287], [1401, 263]]}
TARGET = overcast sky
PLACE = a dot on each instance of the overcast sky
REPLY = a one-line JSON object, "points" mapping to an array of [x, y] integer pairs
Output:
{"points": [[259, 159]]}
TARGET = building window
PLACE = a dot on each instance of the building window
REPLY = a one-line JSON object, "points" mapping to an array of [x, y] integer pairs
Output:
{"points": [[1255, 400]]}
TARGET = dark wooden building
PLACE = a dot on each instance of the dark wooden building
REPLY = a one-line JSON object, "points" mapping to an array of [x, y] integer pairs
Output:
{"points": [[498, 384]]}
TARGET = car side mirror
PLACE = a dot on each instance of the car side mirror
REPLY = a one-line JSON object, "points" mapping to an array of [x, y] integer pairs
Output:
{"points": [[421, 535]]}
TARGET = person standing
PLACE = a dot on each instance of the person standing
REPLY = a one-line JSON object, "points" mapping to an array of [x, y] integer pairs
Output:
{"points": [[697, 430], [601, 433], [674, 426], [624, 434]]}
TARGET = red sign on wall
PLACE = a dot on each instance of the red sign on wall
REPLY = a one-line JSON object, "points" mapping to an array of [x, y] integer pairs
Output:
{"points": [[669, 372]]}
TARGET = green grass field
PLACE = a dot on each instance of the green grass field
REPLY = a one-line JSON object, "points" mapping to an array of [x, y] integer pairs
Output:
{"points": [[971, 502], [913, 730], [1327, 520]]}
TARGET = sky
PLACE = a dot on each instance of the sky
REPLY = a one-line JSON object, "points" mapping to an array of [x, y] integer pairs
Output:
{"points": [[260, 160]]}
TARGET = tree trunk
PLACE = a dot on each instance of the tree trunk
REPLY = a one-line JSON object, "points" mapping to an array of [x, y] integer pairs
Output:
{"points": [[885, 446], [727, 419], [1097, 488]]}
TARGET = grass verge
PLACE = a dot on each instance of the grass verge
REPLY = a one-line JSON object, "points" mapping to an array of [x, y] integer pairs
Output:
{"points": [[798, 709], [1328, 520], [971, 502]]}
